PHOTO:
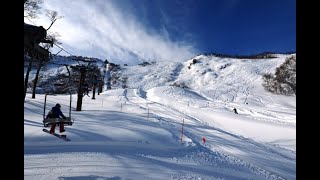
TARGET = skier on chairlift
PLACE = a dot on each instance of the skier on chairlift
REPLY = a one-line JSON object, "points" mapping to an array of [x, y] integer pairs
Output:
{"points": [[56, 113]]}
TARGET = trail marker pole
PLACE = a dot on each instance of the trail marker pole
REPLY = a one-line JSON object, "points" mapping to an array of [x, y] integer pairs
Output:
{"points": [[148, 112], [182, 129]]}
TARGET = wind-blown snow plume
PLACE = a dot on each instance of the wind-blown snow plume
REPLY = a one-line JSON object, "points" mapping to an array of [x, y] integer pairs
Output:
{"points": [[113, 35]]}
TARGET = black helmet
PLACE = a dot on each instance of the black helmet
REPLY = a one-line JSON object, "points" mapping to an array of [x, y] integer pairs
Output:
{"points": [[58, 105]]}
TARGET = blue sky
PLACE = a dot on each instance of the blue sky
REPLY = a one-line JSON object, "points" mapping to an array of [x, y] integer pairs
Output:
{"points": [[226, 26], [173, 30]]}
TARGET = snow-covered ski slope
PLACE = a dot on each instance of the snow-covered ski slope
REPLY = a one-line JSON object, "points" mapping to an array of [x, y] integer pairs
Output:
{"points": [[135, 133]]}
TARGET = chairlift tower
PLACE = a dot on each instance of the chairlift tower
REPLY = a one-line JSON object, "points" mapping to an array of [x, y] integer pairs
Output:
{"points": [[83, 69], [94, 81]]}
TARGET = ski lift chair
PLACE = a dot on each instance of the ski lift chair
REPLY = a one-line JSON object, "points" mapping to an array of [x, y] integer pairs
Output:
{"points": [[49, 121]]}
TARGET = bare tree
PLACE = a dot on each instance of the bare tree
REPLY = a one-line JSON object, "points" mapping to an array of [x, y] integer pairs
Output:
{"points": [[53, 15], [27, 76], [32, 8], [40, 64]]}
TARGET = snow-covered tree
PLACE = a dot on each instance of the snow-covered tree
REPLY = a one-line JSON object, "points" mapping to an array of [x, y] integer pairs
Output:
{"points": [[284, 79]]}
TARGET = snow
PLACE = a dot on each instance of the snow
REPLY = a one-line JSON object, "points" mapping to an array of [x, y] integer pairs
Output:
{"points": [[135, 133]]}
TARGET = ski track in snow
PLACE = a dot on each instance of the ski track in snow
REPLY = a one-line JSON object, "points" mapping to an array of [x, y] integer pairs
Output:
{"points": [[214, 154], [264, 151], [224, 155]]}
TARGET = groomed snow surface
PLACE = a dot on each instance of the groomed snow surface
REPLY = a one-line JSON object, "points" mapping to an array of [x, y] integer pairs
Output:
{"points": [[136, 133]]}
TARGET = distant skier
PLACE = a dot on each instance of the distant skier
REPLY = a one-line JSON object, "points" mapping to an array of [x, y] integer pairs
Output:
{"points": [[235, 111]]}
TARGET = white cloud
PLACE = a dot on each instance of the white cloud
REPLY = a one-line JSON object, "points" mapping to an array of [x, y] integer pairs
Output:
{"points": [[101, 30]]}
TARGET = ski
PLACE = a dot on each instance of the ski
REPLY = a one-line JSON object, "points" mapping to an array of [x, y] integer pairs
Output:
{"points": [[57, 135]]}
